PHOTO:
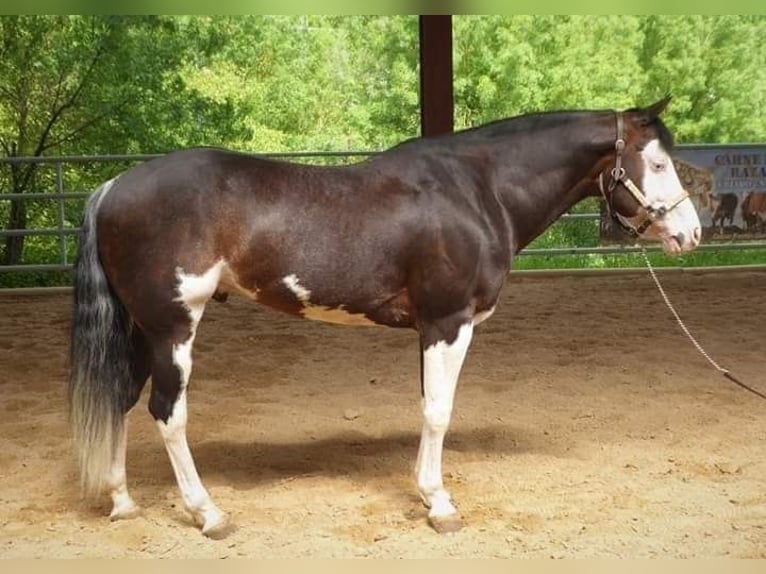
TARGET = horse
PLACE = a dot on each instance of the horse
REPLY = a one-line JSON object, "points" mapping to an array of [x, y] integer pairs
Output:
{"points": [[421, 236]]}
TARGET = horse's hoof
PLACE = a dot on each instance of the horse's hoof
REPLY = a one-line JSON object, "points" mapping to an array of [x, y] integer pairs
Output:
{"points": [[445, 524], [125, 513], [219, 528]]}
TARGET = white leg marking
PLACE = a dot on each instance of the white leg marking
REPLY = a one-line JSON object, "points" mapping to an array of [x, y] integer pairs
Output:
{"points": [[441, 369], [123, 505], [195, 496], [323, 313], [194, 291]]}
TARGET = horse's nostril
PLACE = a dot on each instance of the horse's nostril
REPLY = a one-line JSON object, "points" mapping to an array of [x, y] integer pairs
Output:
{"points": [[697, 234], [679, 237]]}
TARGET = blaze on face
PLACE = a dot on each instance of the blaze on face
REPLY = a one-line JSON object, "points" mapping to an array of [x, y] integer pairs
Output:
{"points": [[679, 227], [660, 209]]}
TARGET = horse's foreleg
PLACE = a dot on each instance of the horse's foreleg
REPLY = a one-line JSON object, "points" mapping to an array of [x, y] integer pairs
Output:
{"points": [[442, 362], [170, 377]]}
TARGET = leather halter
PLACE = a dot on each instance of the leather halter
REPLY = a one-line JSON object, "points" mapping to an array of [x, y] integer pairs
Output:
{"points": [[619, 175]]}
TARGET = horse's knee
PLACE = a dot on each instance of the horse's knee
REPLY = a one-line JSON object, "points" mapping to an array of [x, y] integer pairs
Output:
{"points": [[437, 417]]}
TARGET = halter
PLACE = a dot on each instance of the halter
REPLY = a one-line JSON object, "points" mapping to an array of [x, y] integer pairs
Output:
{"points": [[618, 175]]}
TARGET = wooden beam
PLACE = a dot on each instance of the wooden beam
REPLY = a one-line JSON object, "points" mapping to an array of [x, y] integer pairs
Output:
{"points": [[436, 96]]}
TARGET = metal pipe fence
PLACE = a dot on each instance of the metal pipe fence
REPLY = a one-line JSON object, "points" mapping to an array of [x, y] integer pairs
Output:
{"points": [[64, 230]]}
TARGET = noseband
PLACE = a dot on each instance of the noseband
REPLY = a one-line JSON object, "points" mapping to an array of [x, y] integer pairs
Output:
{"points": [[619, 175]]}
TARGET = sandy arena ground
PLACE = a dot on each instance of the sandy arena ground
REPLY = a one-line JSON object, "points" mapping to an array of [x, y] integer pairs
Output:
{"points": [[585, 425]]}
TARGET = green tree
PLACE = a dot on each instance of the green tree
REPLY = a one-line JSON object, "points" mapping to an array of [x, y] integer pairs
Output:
{"points": [[310, 83], [73, 84], [714, 68], [508, 65], [42, 89]]}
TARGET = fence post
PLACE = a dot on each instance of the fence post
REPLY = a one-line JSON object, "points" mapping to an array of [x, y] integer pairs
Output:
{"points": [[62, 211]]}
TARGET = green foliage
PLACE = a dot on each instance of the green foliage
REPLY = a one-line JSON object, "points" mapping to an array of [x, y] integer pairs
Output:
{"points": [[508, 65], [309, 83], [714, 67], [83, 85]]}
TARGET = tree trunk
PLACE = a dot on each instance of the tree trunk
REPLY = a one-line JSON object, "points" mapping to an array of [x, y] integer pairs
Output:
{"points": [[17, 218], [14, 245]]}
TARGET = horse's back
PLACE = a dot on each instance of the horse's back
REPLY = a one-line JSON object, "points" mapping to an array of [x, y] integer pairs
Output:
{"points": [[191, 174]]}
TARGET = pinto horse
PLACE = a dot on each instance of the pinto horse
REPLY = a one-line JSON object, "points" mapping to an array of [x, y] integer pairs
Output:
{"points": [[420, 236]]}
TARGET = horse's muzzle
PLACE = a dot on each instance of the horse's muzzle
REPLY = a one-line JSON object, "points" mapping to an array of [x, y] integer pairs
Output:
{"points": [[682, 242]]}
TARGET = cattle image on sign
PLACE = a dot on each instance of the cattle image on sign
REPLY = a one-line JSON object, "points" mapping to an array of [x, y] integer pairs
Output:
{"points": [[727, 185], [420, 236], [754, 212]]}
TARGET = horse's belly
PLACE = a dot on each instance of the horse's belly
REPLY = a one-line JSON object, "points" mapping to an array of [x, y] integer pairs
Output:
{"points": [[290, 295]]}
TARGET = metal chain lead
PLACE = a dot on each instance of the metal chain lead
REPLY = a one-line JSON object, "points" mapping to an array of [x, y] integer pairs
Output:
{"points": [[720, 369], [675, 314]]}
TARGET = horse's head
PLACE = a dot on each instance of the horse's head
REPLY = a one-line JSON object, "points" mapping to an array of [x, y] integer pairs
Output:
{"points": [[640, 184]]}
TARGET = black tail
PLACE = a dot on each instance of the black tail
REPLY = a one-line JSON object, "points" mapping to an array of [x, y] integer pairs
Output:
{"points": [[100, 359]]}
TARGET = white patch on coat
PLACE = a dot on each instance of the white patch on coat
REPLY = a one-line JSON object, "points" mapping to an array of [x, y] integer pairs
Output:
{"points": [[301, 293], [195, 290], [338, 315], [483, 316]]}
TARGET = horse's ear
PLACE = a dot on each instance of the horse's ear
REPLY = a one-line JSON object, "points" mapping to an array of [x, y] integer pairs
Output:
{"points": [[651, 113]]}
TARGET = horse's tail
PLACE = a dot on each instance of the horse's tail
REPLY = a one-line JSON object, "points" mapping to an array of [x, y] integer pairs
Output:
{"points": [[100, 355]]}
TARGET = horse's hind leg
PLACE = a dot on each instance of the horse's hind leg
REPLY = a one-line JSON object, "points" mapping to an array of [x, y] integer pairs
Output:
{"points": [[123, 506], [170, 377], [171, 370]]}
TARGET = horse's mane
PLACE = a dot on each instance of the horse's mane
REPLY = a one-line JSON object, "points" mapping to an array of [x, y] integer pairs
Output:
{"points": [[535, 120]]}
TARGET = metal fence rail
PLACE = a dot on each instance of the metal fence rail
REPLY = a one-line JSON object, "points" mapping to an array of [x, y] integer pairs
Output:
{"points": [[61, 196]]}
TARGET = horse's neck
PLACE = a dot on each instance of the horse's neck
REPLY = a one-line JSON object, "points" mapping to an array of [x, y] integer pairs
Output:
{"points": [[543, 165], [537, 194]]}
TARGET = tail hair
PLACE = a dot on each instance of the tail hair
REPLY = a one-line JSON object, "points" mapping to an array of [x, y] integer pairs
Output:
{"points": [[100, 366]]}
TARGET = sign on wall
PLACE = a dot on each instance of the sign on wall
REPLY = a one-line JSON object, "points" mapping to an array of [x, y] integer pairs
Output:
{"points": [[728, 187]]}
